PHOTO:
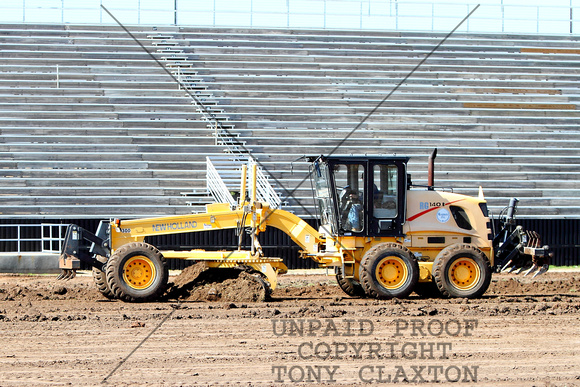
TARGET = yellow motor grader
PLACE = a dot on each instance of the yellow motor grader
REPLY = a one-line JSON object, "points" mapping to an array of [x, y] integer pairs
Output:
{"points": [[383, 236]]}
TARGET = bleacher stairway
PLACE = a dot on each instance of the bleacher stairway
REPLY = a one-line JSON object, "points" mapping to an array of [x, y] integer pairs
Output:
{"points": [[110, 133]]}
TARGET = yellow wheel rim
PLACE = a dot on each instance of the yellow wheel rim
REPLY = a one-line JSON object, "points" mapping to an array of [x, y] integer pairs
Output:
{"points": [[392, 272], [464, 273], [139, 272]]}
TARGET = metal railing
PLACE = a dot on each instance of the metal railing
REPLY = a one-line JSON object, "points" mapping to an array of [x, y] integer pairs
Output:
{"points": [[264, 190], [52, 237], [536, 16], [216, 186], [45, 237], [221, 194]]}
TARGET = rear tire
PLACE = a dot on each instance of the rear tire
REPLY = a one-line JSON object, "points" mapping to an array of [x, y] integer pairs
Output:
{"points": [[137, 272], [389, 270], [462, 271], [348, 285], [100, 278]]}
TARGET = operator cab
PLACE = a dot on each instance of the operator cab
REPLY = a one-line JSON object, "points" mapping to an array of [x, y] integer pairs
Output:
{"points": [[361, 196]]}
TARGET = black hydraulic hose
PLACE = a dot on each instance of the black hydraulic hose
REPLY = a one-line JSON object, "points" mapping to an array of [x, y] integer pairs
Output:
{"points": [[512, 208]]}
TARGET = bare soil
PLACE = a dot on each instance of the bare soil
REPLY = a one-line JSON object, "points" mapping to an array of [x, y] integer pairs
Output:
{"points": [[522, 332], [198, 283]]}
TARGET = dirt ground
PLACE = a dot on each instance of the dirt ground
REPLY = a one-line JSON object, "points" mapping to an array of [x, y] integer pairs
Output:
{"points": [[522, 332]]}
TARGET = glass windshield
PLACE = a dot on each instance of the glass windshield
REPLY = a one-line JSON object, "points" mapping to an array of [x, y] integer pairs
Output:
{"points": [[323, 196]]}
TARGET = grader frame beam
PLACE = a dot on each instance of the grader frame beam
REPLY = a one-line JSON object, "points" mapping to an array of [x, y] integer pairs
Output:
{"points": [[219, 217], [254, 215]]}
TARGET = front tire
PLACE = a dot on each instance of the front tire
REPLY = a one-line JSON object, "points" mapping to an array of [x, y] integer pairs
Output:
{"points": [[100, 278], [389, 270], [137, 272], [462, 271]]}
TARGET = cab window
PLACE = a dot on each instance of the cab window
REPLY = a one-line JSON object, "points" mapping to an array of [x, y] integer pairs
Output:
{"points": [[460, 217], [349, 182], [385, 182]]}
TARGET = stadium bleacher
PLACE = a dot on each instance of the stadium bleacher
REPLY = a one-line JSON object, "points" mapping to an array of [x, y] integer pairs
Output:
{"points": [[91, 127]]}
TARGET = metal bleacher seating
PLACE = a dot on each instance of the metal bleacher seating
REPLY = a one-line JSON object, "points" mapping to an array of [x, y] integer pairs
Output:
{"points": [[113, 135]]}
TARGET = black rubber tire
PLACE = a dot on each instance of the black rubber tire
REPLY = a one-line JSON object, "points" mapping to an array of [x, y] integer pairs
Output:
{"points": [[116, 266], [100, 278], [374, 257], [348, 285], [444, 261], [427, 290]]}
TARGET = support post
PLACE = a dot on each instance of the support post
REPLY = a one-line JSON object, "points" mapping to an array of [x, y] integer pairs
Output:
{"points": [[254, 183], [243, 185], [253, 205]]}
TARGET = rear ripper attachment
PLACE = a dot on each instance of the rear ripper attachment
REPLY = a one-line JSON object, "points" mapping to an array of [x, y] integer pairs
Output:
{"points": [[517, 249]]}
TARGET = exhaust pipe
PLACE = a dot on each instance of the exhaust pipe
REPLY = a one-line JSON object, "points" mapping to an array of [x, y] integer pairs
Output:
{"points": [[431, 170]]}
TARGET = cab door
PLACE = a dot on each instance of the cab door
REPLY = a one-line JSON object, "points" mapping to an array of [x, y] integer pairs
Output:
{"points": [[349, 186], [386, 198]]}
